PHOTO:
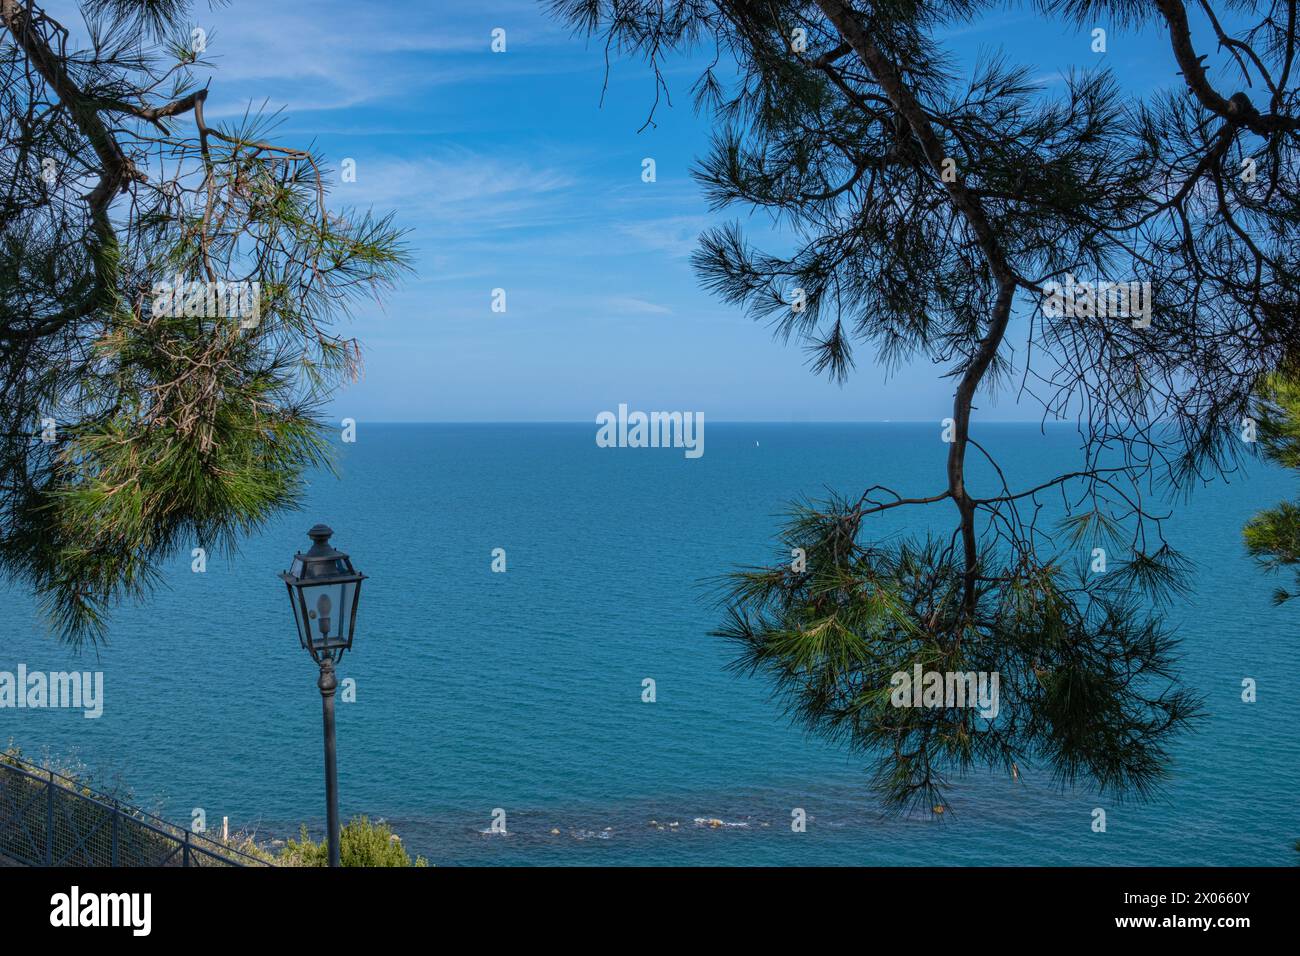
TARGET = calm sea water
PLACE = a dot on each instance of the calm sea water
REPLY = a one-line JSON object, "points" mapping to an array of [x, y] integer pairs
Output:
{"points": [[522, 691]]}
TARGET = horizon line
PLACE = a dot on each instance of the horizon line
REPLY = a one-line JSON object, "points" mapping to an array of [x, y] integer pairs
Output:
{"points": [[721, 421]]}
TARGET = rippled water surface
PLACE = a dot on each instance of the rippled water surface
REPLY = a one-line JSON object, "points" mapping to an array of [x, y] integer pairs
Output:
{"points": [[522, 691]]}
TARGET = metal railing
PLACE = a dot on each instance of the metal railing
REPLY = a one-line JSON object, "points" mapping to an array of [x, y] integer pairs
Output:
{"points": [[47, 819]]}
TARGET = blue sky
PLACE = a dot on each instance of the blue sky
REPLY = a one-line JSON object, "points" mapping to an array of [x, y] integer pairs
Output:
{"points": [[509, 173]]}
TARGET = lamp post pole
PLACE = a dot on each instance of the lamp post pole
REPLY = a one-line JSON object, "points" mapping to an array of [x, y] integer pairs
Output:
{"points": [[324, 589], [328, 683]]}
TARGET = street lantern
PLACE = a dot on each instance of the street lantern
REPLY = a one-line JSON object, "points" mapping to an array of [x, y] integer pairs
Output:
{"points": [[324, 590]]}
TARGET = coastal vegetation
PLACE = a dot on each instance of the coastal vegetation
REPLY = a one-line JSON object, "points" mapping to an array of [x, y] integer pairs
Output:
{"points": [[171, 293], [361, 843]]}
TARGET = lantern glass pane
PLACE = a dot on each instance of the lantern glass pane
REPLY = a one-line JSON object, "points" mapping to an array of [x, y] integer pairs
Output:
{"points": [[312, 596], [329, 612], [297, 614], [344, 612]]}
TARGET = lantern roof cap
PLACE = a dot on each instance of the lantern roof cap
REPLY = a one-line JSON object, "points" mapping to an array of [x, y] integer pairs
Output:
{"points": [[320, 544], [322, 561]]}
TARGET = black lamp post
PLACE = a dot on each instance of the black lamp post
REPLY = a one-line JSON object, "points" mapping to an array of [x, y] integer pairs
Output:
{"points": [[324, 590]]}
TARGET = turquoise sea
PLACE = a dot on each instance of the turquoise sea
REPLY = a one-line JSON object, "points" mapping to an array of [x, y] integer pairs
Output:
{"points": [[522, 691]]}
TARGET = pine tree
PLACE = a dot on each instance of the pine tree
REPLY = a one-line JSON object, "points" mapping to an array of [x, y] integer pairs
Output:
{"points": [[1273, 535], [940, 215], [135, 420]]}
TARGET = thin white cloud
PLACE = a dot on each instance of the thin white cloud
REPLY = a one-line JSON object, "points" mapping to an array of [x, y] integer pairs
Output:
{"points": [[677, 236], [631, 305], [322, 56], [458, 190]]}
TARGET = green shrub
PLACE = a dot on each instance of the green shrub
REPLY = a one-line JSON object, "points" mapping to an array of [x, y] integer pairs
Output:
{"points": [[361, 843], [69, 773]]}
